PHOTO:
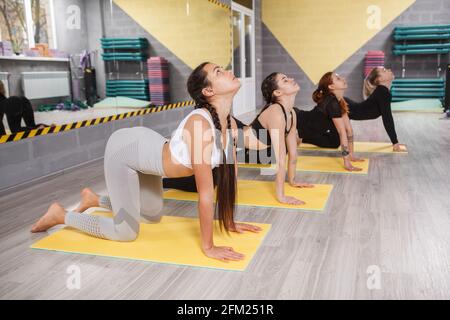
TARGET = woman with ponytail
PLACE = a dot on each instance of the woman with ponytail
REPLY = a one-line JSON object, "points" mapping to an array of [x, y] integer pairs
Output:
{"points": [[328, 124], [274, 130], [377, 103], [272, 133], [137, 158]]}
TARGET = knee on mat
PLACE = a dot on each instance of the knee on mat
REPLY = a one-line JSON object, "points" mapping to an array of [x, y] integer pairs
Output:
{"points": [[126, 233], [155, 210], [127, 236], [151, 219], [153, 215]]}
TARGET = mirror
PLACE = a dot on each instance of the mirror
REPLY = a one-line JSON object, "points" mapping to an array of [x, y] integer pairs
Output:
{"points": [[76, 60]]}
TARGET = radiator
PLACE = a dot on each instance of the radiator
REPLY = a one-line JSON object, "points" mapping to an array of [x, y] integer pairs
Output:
{"points": [[40, 85], [4, 78]]}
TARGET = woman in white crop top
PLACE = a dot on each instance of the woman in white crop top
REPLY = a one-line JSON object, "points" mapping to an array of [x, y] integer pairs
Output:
{"points": [[272, 133], [137, 158]]}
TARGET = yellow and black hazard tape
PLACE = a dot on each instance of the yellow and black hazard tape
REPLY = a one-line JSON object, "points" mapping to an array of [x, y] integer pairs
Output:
{"points": [[220, 4], [93, 122]]}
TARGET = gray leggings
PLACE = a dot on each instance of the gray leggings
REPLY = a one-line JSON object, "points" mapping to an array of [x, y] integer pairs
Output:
{"points": [[133, 173]]}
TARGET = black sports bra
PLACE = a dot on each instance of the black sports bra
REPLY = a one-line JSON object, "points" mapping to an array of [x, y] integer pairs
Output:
{"points": [[257, 126]]}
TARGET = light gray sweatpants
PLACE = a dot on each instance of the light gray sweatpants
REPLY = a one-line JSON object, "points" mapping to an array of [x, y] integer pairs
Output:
{"points": [[133, 173]]}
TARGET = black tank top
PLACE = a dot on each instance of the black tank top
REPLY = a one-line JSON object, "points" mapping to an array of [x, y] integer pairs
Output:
{"points": [[257, 126], [259, 130]]}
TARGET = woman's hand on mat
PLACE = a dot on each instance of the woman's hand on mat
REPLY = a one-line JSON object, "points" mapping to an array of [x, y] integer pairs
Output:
{"points": [[300, 184], [224, 254], [290, 200], [243, 227], [349, 167], [400, 147]]}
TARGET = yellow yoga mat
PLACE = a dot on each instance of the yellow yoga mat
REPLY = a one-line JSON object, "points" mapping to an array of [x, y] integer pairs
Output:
{"points": [[315, 164], [369, 147], [174, 240], [262, 194]]}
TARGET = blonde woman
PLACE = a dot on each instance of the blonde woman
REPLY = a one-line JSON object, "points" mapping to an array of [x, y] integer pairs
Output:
{"points": [[377, 103]]}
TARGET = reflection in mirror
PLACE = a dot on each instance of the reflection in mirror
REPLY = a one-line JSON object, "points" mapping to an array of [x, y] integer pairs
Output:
{"points": [[65, 61], [27, 30]]}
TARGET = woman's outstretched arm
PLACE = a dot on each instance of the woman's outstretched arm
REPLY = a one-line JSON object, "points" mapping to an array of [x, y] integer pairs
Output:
{"points": [[201, 146], [277, 127], [341, 129], [383, 99], [350, 139], [239, 227], [291, 144]]}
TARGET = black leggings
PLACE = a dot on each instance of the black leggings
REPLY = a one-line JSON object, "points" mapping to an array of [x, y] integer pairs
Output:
{"points": [[186, 183], [246, 156], [314, 129], [326, 140], [2, 127], [16, 109]]}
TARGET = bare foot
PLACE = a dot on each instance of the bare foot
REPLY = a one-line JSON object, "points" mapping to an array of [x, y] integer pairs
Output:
{"points": [[54, 216], [89, 199], [400, 148]]}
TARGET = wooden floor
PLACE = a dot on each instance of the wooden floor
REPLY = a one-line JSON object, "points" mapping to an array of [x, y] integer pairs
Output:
{"points": [[397, 218]]}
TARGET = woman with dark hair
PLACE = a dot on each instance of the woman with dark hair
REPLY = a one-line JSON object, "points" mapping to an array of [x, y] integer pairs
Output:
{"points": [[137, 158], [328, 124], [273, 132], [377, 103], [16, 109]]}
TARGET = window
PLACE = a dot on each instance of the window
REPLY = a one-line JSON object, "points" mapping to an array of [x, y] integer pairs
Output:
{"points": [[13, 24], [26, 23]]}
